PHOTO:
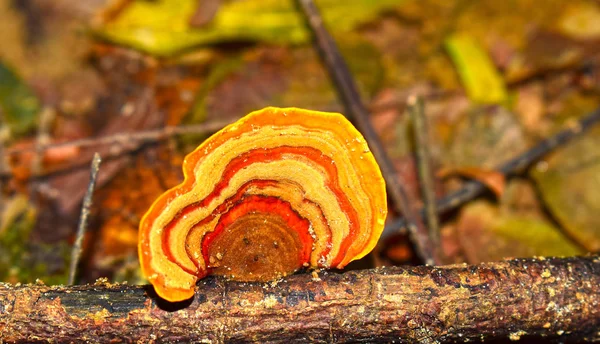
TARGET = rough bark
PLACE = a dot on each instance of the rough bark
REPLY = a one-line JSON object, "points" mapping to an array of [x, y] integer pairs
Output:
{"points": [[551, 298]]}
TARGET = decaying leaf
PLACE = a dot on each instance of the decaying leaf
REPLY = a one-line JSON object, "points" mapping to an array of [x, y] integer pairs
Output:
{"points": [[569, 182], [486, 234], [581, 21], [484, 138], [493, 180], [125, 199], [281, 76]]}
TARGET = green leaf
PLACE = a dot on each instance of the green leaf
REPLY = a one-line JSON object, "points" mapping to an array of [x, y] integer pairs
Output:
{"points": [[18, 104], [161, 27], [478, 74]]}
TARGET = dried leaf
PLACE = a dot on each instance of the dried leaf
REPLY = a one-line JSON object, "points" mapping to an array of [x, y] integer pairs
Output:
{"points": [[493, 180], [531, 106], [279, 76], [487, 234], [581, 21], [545, 51], [125, 199], [483, 138], [22, 163], [570, 186]]}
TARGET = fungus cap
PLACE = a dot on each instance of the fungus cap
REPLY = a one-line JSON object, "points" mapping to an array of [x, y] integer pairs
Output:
{"points": [[278, 190]]}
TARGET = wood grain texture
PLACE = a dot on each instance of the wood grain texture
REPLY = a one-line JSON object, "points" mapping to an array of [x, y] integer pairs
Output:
{"points": [[541, 298]]}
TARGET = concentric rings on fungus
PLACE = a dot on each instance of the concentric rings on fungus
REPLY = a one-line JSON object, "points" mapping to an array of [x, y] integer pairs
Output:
{"points": [[278, 190]]}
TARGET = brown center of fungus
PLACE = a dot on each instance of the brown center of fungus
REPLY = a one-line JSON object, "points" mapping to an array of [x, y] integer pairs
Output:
{"points": [[261, 239]]}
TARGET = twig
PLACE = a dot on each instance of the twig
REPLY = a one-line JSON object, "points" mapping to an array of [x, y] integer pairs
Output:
{"points": [[510, 168], [129, 138], [85, 212], [126, 142], [348, 92], [416, 110], [545, 299]]}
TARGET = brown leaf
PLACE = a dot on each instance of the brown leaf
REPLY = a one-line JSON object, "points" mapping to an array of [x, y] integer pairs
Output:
{"points": [[569, 183]]}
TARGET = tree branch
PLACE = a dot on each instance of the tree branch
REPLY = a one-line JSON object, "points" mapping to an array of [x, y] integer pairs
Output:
{"points": [[545, 298]]}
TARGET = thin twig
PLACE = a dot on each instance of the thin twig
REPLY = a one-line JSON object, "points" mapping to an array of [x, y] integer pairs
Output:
{"points": [[129, 138], [85, 212], [416, 110], [126, 142], [348, 92], [160, 134], [510, 168]]}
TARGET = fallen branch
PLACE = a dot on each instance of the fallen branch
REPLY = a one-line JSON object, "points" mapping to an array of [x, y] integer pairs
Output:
{"points": [[541, 298]]}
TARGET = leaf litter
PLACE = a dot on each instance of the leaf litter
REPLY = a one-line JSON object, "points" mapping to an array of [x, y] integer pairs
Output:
{"points": [[492, 87]]}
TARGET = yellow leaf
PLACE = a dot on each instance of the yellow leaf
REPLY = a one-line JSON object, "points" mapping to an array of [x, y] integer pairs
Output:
{"points": [[478, 74], [162, 27]]}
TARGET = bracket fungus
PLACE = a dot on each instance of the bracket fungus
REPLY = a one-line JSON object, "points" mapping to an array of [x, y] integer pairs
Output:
{"points": [[276, 191]]}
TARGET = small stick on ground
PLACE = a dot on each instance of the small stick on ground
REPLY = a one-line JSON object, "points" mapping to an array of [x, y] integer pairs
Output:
{"points": [[136, 138], [348, 92], [85, 212], [123, 142], [416, 110], [510, 168]]}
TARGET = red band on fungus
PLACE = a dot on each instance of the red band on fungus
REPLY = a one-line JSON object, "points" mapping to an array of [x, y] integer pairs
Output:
{"points": [[277, 190]]}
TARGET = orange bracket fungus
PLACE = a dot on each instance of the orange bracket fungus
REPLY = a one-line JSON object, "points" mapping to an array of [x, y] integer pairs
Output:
{"points": [[278, 190]]}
